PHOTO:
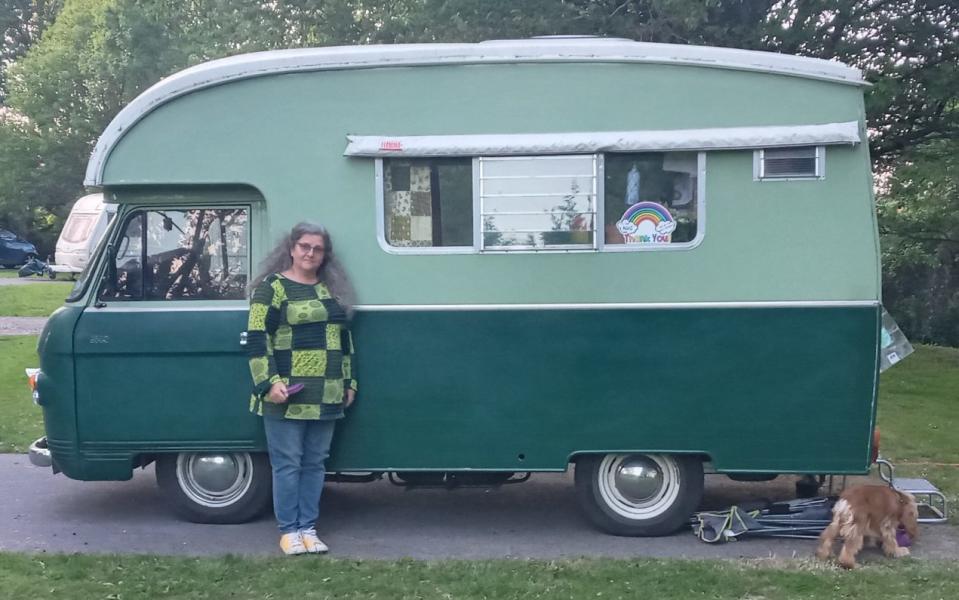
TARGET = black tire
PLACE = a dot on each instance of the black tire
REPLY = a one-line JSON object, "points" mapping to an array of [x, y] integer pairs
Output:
{"points": [[51, 274], [235, 496], [808, 486], [639, 494]]}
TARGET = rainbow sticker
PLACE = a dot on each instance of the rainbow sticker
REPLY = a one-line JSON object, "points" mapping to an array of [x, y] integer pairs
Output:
{"points": [[646, 223]]}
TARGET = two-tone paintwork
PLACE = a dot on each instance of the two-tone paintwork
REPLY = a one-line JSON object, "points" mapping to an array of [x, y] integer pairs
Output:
{"points": [[755, 349]]}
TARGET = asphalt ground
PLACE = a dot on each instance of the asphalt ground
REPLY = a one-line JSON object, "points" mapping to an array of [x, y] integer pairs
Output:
{"points": [[25, 280], [22, 325], [40, 512]]}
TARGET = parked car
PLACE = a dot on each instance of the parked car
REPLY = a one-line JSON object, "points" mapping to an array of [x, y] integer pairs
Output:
{"points": [[14, 250]]}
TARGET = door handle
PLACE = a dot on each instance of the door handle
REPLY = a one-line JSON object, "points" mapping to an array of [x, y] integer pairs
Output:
{"points": [[243, 336]]}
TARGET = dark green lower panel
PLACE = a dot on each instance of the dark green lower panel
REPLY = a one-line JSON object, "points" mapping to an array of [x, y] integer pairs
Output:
{"points": [[765, 389], [755, 389]]}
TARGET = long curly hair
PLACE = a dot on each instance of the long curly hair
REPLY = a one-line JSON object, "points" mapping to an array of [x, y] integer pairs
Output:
{"points": [[330, 272]]}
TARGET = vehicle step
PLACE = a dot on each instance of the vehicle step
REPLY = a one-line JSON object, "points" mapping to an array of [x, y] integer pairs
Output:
{"points": [[931, 502]]}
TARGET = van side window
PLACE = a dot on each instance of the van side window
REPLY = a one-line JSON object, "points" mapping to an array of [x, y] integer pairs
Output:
{"points": [[651, 199], [799, 162], [175, 254], [538, 202], [428, 202]]}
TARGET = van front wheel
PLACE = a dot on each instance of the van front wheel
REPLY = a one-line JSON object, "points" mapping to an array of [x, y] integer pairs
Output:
{"points": [[216, 487], [639, 494]]}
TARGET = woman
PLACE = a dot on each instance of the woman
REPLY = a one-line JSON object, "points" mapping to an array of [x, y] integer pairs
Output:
{"points": [[298, 334]]}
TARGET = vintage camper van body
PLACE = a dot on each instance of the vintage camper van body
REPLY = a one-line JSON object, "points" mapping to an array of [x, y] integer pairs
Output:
{"points": [[751, 344], [81, 232]]}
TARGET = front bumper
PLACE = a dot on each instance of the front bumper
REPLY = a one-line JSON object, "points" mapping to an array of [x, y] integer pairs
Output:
{"points": [[40, 453]]}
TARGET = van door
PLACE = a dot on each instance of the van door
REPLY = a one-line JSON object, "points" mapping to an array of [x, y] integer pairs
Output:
{"points": [[159, 361]]}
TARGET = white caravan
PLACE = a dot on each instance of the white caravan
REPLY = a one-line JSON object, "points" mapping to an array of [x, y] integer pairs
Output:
{"points": [[85, 226]]}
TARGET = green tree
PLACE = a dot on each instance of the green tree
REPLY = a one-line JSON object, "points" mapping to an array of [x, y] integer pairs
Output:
{"points": [[919, 222], [56, 102], [908, 49], [95, 58], [22, 22]]}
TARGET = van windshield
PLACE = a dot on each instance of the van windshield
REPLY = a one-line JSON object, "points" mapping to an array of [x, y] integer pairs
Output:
{"points": [[84, 278]]}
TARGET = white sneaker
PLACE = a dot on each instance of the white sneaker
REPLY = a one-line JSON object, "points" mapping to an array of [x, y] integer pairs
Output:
{"points": [[292, 543], [313, 544]]}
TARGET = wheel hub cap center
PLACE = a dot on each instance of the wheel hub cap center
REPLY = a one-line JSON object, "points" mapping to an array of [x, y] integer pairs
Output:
{"points": [[638, 478]]}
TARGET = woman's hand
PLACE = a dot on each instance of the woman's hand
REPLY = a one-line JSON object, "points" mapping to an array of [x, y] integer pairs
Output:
{"points": [[277, 393], [348, 396]]}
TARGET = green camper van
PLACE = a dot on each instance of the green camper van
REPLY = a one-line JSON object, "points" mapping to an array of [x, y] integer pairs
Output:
{"points": [[636, 260]]}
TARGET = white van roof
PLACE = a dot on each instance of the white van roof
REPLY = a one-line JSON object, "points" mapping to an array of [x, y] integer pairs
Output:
{"points": [[88, 203], [558, 49]]}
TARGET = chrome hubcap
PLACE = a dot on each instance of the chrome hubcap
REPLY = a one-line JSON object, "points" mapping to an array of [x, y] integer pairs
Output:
{"points": [[215, 479], [638, 478], [639, 486]]}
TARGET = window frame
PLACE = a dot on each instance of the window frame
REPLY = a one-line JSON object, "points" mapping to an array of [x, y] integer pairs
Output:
{"points": [[700, 215], [118, 231], [759, 164], [599, 244], [380, 183], [594, 192]]}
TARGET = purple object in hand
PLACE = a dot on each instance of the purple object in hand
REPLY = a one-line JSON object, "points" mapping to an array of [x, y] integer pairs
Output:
{"points": [[902, 538], [292, 389]]}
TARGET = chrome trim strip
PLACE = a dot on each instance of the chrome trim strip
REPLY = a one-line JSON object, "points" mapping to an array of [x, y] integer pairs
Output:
{"points": [[176, 306], [618, 306], [558, 306]]}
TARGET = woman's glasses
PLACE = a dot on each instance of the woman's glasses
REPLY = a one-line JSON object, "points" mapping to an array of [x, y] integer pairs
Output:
{"points": [[309, 249]]}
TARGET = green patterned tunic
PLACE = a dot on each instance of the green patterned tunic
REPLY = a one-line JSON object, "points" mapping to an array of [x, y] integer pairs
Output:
{"points": [[298, 333]]}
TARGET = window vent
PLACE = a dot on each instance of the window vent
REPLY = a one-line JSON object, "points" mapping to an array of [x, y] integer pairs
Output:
{"points": [[790, 163]]}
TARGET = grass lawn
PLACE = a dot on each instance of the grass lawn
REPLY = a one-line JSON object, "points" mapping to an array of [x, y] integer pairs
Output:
{"points": [[919, 419], [919, 407], [8, 273], [32, 299], [21, 421], [127, 578]]}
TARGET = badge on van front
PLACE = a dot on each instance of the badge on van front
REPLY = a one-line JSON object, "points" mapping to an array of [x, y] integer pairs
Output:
{"points": [[647, 223]]}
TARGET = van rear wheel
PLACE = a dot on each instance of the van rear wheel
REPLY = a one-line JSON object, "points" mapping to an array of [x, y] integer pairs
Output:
{"points": [[216, 487], [639, 494]]}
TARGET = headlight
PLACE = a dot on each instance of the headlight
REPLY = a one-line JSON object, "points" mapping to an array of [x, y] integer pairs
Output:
{"points": [[32, 375]]}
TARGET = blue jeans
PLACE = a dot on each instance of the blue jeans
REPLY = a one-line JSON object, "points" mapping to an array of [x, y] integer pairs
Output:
{"points": [[298, 451]]}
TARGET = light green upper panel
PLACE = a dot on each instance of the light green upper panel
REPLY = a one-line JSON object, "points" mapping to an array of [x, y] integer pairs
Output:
{"points": [[764, 241]]}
